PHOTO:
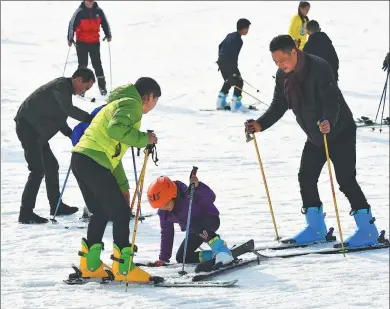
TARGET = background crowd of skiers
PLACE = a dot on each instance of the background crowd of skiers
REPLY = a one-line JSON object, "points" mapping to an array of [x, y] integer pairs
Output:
{"points": [[306, 84]]}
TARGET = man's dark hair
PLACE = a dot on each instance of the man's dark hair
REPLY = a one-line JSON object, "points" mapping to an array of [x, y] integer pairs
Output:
{"points": [[85, 73], [303, 5], [313, 26], [242, 24], [146, 86], [282, 42]]}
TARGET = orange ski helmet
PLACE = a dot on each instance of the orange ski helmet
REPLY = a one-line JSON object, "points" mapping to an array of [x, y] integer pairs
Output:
{"points": [[161, 191]]}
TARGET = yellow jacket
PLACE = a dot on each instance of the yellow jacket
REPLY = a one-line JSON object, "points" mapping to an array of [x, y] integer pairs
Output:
{"points": [[297, 30]]}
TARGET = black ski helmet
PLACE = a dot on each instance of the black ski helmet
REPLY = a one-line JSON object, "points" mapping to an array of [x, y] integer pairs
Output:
{"points": [[242, 24]]}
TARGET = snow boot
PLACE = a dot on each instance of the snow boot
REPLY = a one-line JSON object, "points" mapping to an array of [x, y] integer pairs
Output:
{"points": [[221, 252], [29, 217], [63, 210], [102, 85], [205, 255], [90, 264], [86, 217], [366, 233], [221, 101], [236, 105], [315, 230], [120, 267]]}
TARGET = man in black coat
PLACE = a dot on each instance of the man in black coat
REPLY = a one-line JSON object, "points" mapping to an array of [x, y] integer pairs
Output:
{"points": [[228, 51], [306, 85], [42, 115], [320, 45]]}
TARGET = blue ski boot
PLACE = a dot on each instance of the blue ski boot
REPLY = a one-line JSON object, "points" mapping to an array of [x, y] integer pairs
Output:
{"points": [[221, 101], [315, 230], [366, 233], [205, 255], [221, 252], [236, 105]]}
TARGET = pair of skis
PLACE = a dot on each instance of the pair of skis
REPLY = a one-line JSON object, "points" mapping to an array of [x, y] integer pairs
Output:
{"points": [[364, 121], [248, 247], [250, 107], [207, 270]]}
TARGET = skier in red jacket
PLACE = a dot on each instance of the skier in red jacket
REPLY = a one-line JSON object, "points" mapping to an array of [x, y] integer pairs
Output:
{"points": [[86, 23]]}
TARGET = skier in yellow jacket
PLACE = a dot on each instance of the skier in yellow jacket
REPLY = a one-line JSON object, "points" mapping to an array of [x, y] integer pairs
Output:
{"points": [[298, 23]]}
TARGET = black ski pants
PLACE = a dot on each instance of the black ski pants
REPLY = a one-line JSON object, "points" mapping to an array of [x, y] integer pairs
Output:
{"points": [[202, 229], [229, 81], [93, 49], [104, 200], [41, 162], [342, 152]]}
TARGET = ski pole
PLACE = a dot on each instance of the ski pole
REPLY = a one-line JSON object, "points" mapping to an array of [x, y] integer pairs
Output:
{"points": [[383, 95], [109, 56], [383, 108], [136, 180], [60, 198], [66, 61], [265, 184], [333, 194], [257, 90], [251, 95], [192, 189], [138, 187]]}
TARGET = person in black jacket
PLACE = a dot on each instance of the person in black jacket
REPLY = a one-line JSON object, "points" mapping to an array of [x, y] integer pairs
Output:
{"points": [[228, 51], [306, 85], [320, 45], [38, 119]]}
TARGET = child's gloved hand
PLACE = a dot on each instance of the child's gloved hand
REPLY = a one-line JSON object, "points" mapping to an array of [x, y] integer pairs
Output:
{"points": [[158, 263], [194, 180]]}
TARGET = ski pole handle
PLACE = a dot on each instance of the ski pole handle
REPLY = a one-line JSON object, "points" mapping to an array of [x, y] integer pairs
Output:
{"points": [[150, 146], [193, 172], [248, 137]]}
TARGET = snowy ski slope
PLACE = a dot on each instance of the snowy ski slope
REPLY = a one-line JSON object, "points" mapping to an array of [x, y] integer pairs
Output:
{"points": [[176, 43]]}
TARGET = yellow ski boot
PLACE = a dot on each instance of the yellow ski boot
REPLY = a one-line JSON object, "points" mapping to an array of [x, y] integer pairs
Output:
{"points": [[120, 267], [90, 264]]}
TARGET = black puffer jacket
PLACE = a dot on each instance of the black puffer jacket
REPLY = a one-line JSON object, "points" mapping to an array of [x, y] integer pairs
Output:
{"points": [[322, 100], [320, 45], [48, 107]]}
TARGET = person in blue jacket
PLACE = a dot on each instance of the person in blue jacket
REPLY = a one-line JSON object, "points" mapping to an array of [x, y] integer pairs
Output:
{"points": [[79, 130], [228, 51]]}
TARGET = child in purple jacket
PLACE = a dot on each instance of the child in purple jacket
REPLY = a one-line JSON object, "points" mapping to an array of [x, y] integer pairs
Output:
{"points": [[172, 200]]}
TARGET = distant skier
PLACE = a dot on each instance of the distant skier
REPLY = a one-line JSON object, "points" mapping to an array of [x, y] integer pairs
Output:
{"points": [[298, 24], [86, 23], [38, 119], [320, 45], [172, 200], [386, 62], [306, 85], [97, 166], [228, 51]]}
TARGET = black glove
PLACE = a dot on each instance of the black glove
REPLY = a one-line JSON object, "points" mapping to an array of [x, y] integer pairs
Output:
{"points": [[67, 131], [386, 63]]}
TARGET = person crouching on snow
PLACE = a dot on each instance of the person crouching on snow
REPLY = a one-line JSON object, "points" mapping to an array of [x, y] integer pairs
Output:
{"points": [[172, 200]]}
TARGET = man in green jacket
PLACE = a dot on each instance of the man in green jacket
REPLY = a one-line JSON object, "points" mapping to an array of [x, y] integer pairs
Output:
{"points": [[96, 164]]}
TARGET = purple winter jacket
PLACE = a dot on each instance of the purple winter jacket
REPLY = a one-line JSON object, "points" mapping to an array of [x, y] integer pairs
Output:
{"points": [[202, 205]]}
